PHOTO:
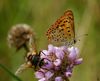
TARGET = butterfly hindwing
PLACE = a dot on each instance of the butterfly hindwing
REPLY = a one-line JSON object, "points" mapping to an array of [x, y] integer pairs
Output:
{"points": [[63, 29]]}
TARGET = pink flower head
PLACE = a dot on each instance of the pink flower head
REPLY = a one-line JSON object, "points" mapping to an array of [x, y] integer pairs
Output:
{"points": [[58, 79], [58, 63]]}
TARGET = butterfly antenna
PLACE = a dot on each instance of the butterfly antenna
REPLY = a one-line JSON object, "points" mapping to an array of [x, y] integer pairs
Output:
{"points": [[80, 36]]}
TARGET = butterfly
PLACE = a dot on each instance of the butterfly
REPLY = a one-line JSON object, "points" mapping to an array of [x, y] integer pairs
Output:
{"points": [[62, 31]]}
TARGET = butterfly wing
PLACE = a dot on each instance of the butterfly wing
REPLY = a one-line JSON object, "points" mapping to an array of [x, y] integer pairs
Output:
{"points": [[62, 31]]}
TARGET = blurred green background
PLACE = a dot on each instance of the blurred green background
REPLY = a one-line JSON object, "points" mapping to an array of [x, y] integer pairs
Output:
{"points": [[40, 14]]}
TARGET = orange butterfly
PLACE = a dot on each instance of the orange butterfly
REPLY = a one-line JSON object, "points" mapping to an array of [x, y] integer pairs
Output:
{"points": [[62, 31]]}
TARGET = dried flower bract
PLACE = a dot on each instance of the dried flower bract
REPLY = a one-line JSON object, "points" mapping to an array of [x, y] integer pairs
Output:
{"points": [[19, 35]]}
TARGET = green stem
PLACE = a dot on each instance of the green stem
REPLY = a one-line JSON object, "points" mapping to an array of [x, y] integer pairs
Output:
{"points": [[10, 73]]}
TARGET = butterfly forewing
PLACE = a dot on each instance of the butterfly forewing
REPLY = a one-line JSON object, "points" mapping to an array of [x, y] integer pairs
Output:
{"points": [[63, 29]]}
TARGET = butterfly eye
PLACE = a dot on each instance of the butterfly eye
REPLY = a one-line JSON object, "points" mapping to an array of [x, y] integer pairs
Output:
{"points": [[74, 41]]}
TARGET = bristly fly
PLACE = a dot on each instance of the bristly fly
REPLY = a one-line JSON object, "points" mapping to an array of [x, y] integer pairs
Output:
{"points": [[32, 59]]}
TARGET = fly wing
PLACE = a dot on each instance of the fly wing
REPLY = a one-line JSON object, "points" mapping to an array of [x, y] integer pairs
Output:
{"points": [[32, 45]]}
